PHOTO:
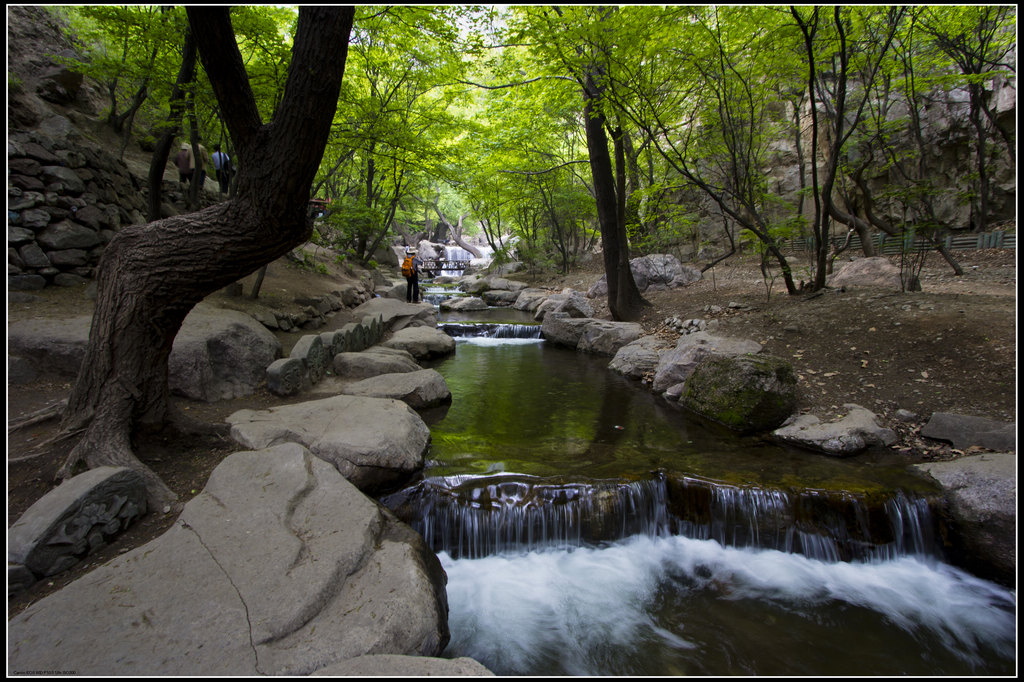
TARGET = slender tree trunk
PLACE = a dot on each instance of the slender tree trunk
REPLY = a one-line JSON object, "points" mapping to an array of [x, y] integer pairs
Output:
{"points": [[152, 275], [981, 139], [624, 300], [162, 152]]}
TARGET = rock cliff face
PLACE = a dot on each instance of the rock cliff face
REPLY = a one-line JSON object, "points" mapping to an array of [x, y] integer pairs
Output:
{"points": [[68, 190]]}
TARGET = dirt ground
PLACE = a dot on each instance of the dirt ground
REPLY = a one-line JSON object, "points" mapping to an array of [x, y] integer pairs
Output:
{"points": [[950, 348]]}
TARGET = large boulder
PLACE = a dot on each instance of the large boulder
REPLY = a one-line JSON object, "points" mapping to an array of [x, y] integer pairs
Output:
{"points": [[747, 393], [854, 433], [867, 272], [375, 443], [419, 390], [423, 343], [55, 346], [372, 362], [604, 337], [676, 366], [396, 314], [217, 354], [463, 303], [71, 521], [476, 285], [530, 299], [653, 272], [601, 337], [220, 354], [964, 431], [278, 567], [638, 359], [981, 491], [571, 302]]}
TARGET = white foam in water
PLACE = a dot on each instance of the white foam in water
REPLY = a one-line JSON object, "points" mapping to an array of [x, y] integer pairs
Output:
{"points": [[559, 607], [488, 341]]}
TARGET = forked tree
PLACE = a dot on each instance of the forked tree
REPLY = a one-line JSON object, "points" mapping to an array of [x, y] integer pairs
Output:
{"points": [[152, 275]]}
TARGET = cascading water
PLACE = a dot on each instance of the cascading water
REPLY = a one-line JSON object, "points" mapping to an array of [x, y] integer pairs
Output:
{"points": [[588, 529], [466, 330], [455, 254], [473, 517]]}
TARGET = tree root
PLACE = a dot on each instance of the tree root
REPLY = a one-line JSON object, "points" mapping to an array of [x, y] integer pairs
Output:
{"points": [[52, 411], [101, 448]]}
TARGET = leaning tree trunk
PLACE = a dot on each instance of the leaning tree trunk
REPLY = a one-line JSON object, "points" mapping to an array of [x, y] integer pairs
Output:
{"points": [[152, 275]]}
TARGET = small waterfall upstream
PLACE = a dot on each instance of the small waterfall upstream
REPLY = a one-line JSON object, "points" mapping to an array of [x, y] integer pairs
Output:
{"points": [[587, 529], [486, 330]]}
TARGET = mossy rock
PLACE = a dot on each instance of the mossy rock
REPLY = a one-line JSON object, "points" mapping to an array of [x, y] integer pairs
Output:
{"points": [[747, 393]]}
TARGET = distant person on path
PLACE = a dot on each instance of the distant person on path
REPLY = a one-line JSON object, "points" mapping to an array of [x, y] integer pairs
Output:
{"points": [[411, 272], [204, 156], [222, 166], [184, 161]]}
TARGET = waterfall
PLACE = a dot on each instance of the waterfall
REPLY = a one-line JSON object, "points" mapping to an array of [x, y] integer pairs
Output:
{"points": [[473, 517], [477, 516], [455, 253], [492, 331], [830, 526]]}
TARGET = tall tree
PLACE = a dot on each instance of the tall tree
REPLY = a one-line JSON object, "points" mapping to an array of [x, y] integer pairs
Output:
{"points": [[581, 41], [841, 89], [152, 275]]}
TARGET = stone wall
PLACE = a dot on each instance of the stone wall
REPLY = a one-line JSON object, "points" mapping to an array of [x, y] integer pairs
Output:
{"points": [[65, 203]]}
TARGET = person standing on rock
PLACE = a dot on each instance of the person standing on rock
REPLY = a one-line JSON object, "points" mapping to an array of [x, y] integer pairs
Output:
{"points": [[411, 272], [222, 166]]}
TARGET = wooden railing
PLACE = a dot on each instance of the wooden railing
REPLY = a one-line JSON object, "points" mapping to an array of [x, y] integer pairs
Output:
{"points": [[886, 244], [439, 264]]}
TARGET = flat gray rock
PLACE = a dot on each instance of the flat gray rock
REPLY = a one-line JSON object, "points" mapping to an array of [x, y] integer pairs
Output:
{"points": [[56, 346], [854, 433], [387, 665], [375, 443], [279, 567], [588, 335], [371, 363], [638, 359], [397, 315], [423, 343], [419, 390], [964, 431]]}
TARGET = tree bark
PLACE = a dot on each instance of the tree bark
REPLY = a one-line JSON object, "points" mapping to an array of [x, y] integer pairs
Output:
{"points": [[152, 275]]}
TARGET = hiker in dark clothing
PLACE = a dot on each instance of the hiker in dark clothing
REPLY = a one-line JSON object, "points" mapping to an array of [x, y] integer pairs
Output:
{"points": [[411, 272]]}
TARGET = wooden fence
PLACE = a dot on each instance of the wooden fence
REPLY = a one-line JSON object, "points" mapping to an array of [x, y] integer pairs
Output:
{"points": [[888, 245]]}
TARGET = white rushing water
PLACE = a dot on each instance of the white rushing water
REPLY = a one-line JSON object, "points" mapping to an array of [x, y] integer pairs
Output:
{"points": [[485, 341], [673, 605]]}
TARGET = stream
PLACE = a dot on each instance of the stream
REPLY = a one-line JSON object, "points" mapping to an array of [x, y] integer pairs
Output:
{"points": [[589, 528]]}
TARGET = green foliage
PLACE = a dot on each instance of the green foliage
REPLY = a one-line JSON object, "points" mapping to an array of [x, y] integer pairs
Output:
{"points": [[477, 111]]}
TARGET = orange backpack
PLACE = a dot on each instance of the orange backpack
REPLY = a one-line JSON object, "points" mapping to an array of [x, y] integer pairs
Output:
{"points": [[407, 267]]}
